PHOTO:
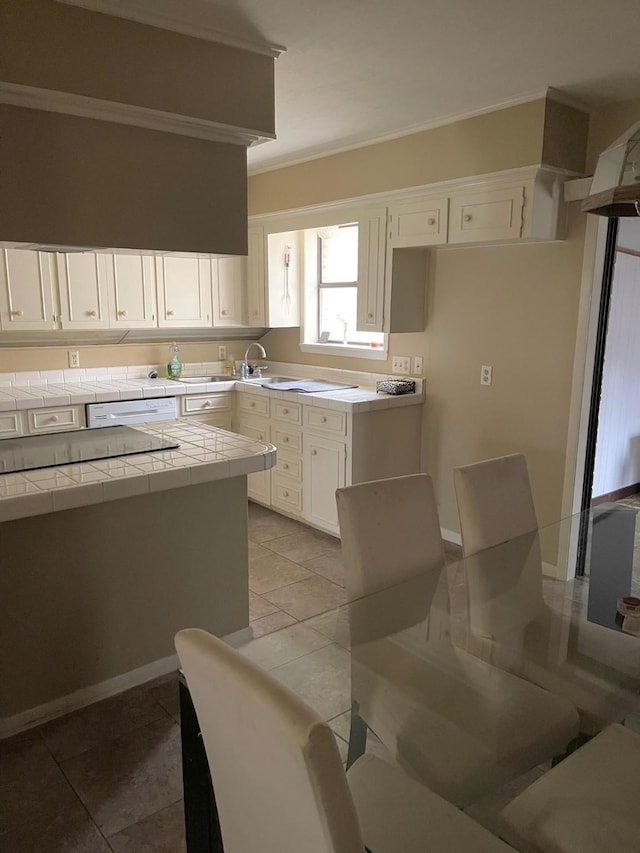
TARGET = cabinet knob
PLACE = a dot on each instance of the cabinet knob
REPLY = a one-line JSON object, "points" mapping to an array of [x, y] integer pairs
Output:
{"points": [[206, 403], [369, 316], [170, 312], [285, 439], [92, 313], [285, 411], [17, 313], [323, 420], [224, 312], [467, 217], [285, 494], [314, 452], [261, 437], [122, 313], [54, 419], [285, 466], [252, 405]]}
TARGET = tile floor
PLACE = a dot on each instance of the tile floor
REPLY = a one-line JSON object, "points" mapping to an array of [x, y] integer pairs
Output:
{"points": [[107, 778]]}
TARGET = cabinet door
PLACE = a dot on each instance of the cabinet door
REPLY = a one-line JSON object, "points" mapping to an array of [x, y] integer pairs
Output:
{"points": [[285, 263], [422, 222], [82, 282], [323, 473], [26, 290], [371, 260], [486, 215], [184, 291], [130, 279], [256, 279], [258, 484], [229, 283]]}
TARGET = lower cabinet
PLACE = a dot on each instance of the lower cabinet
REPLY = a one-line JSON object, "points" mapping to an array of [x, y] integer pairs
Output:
{"points": [[213, 409], [320, 450]]}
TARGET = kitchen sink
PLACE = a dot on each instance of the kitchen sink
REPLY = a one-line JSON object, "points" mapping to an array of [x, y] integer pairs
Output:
{"points": [[200, 379]]}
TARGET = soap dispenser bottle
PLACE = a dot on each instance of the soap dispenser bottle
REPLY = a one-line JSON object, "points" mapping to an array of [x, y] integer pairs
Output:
{"points": [[174, 365]]}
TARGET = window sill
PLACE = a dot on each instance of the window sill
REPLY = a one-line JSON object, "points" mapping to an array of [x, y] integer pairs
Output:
{"points": [[377, 353]]}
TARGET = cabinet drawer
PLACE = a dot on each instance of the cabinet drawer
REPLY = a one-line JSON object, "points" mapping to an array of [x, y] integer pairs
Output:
{"points": [[289, 466], [324, 420], [286, 438], [11, 424], [254, 429], [253, 404], [283, 411], [197, 403], [286, 493], [56, 419]]}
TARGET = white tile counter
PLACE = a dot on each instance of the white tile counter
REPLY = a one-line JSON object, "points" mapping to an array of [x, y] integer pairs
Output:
{"points": [[205, 454]]}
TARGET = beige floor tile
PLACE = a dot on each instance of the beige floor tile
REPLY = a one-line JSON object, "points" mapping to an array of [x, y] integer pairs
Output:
{"points": [[308, 597], [284, 646], [305, 545], [334, 625], [329, 566], [256, 552], [341, 725], [162, 832], [131, 778], [274, 527], [273, 572], [103, 721], [259, 607], [321, 679], [65, 832], [165, 691], [273, 622]]}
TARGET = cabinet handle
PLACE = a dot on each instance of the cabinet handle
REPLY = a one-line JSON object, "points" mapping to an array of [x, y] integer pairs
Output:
{"points": [[431, 221], [170, 312], [54, 419], [467, 217], [92, 313], [314, 452], [17, 313], [122, 313]]}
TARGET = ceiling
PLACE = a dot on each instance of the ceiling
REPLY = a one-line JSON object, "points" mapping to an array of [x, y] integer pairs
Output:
{"points": [[358, 70]]}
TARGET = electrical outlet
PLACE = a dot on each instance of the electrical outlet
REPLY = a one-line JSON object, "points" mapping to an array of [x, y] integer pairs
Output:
{"points": [[222, 352], [418, 365], [486, 374], [74, 358], [401, 364]]}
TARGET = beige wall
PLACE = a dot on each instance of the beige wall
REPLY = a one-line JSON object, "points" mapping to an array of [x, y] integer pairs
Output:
{"points": [[117, 355], [513, 307]]}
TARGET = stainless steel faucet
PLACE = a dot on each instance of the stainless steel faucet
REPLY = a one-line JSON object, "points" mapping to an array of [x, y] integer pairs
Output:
{"points": [[245, 373]]}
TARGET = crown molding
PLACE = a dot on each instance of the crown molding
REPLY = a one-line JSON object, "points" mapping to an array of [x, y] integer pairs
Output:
{"points": [[176, 25], [95, 108]]}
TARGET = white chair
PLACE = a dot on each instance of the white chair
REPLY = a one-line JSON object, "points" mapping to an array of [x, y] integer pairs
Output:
{"points": [[589, 803], [278, 778], [457, 723], [596, 669]]}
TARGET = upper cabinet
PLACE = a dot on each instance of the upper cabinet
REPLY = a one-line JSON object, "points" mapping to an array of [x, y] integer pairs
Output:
{"points": [[131, 291], [26, 290], [82, 284], [229, 279], [256, 278], [274, 270], [488, 215], [184, 291], [421, 222], [371, 269]]}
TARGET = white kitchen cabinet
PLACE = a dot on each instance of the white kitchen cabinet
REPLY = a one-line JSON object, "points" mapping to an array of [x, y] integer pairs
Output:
{"points": [[213, 409], [251, 418], [324, 472], [27, 281], [420, 222], [56, 419], [82, 285], [285, 264], [132, 292], [12, 424], [184, 291], [372, 233], [256, 278], [487, 215], [229, 284]]}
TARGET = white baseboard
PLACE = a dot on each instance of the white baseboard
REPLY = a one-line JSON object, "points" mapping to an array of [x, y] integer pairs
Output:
{"points": [[87, 696], [451, 536]]}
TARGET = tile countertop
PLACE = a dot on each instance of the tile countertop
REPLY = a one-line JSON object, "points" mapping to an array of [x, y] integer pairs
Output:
{"points": [[36, 391], [206, 453]]}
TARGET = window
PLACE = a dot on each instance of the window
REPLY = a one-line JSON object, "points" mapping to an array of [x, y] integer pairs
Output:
{"points": [[331, 294]]}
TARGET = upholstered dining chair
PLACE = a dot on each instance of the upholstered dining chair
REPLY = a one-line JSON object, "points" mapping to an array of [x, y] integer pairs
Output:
{"points": [[278, 778], [596, 669], [451, 719]]}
